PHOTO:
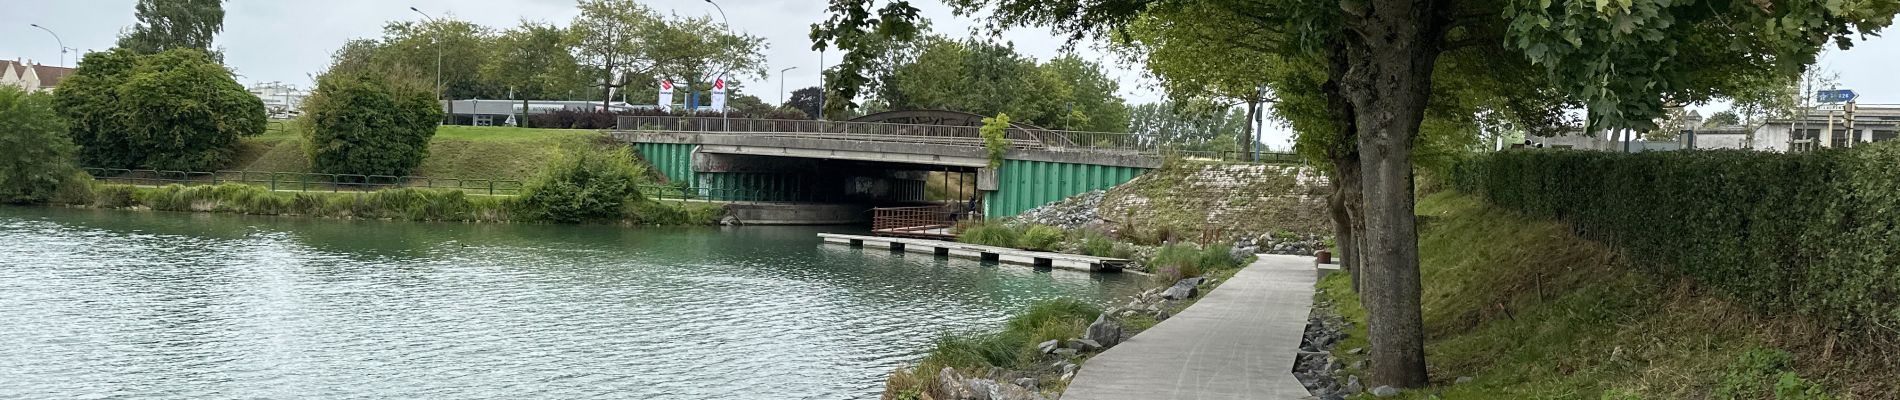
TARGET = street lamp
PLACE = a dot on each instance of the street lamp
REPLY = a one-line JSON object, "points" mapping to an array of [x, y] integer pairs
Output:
{"points": [[724, 116], [62, 44], [438, 53], [781, 85]]}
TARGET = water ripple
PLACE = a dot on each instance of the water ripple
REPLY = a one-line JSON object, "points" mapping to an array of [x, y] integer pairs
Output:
{"points": [[109, 305]]}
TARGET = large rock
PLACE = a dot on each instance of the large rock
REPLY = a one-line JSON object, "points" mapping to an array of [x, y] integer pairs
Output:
{"points": [[1385, 391], [1104, 331], [953, 385], [1049, 346], [1180, 292], [1084, 345]]}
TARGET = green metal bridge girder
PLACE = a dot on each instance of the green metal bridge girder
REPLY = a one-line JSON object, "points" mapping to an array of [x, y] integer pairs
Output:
{"points": [[1022, 184], [675, 161]]}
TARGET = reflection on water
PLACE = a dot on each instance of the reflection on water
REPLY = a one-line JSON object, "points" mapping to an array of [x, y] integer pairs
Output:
{"points": [[175, 305]]}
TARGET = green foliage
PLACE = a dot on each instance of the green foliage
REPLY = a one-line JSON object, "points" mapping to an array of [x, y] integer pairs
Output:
{"points": [[1192, 126], [584, 184], [1804, 233], [1040, 238], [369, 121], [1097, 244], [36, 156], [1762, 373], [987, 78], [995, 132], [176, 110], [174, 24], [989, 233]]}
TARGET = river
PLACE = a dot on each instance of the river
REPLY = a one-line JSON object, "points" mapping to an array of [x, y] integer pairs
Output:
{"points": [[121, 304]]}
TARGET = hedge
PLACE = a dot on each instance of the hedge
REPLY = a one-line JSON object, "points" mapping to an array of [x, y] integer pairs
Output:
{"points": [[1815, 234]]}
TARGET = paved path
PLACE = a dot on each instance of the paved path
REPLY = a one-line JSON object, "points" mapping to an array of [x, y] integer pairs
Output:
{"points": [[1237, 343]]}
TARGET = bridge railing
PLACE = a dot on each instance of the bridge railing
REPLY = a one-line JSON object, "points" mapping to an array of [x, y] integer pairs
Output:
{"points": [[1046, 139]]}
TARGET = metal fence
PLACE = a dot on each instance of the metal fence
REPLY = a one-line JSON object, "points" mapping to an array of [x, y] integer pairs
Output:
{"points": [[305, 181]]}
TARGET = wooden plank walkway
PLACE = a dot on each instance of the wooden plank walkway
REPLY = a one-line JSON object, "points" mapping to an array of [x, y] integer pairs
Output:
{"points": [[981, 252], [1237, 343]]}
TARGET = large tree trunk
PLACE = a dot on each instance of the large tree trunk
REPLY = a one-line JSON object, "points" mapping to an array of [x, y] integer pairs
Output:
{"points": [[1347, 207], [1391, 46], [1246, 139]]}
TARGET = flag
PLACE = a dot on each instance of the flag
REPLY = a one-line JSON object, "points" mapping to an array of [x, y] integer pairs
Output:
{"points": [[666, 95], [719, 94]]}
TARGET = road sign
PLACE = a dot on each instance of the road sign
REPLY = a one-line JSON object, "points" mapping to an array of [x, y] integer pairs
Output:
{"points": [[1835, 96]]}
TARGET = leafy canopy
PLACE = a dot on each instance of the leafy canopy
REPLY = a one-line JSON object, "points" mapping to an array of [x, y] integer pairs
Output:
{"points": [[369, 121], [36, 156], [176, 110]]}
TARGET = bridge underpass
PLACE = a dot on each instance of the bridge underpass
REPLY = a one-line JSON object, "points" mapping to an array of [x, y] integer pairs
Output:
{"points": [[866, 164]]}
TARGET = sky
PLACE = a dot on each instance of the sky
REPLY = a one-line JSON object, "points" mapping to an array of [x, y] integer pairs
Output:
{"points": [[288, 41]]}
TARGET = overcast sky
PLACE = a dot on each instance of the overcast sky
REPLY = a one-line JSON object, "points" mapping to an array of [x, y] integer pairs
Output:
{"points": [[273, 40]]}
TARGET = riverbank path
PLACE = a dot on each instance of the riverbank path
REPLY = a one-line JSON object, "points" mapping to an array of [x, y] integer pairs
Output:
{"points": [[1238, 342]]}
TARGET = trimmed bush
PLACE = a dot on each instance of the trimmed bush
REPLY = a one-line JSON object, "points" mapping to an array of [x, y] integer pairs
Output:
{"points": [[1040, 238], [1805, 233], [369, 121], [36, 156], [583, 185], [176, 110]]}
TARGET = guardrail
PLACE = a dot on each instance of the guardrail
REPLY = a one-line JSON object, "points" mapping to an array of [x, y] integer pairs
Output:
{"points": [[1046, 139], [304, 181], [924, 221]]}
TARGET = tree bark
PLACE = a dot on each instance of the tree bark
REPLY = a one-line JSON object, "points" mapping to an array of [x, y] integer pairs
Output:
{"points": [[1347, 207], [1245, 144], [1392, 47]]}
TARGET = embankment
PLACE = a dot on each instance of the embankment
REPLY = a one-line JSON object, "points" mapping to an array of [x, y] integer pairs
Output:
{"points": [[468, 152], [1527, 309], [392, 204]]}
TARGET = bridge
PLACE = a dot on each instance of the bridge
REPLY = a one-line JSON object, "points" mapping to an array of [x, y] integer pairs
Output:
{"points": [[883, 159]]}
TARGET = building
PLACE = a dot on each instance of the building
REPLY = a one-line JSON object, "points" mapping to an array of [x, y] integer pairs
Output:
{"points": [[281, 100], [1822, 127], [31, 76]]}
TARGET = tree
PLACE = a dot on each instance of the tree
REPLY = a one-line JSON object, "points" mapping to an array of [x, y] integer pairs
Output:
{"points": [[463, 47], [36, 156], [176, 110], [696, 50], [863, 36], [1088, 94], [174, 24], [613, 41], [1722, 118], [536, 61], [369, 121], [1197, 125], [807, 100], [1621, 60]]}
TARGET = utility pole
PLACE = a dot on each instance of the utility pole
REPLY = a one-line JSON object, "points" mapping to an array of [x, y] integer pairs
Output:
{"points": [[725, 116], [1852, 136]]}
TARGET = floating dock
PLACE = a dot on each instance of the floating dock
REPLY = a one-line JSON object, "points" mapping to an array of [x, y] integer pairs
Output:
{"points": [[1037, 259]]}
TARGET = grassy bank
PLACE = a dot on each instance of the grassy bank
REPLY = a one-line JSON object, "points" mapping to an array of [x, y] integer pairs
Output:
{"points": [[1531, 311], [396, 204], [455, 152]]}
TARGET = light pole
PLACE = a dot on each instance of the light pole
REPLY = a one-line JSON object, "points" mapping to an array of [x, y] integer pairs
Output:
{"points": [[62, 44], [725, 117], [781, 85], [438, 53]]}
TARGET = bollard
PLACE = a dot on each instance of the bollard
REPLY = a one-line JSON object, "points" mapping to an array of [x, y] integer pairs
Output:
{"points": [[1325, 256]]}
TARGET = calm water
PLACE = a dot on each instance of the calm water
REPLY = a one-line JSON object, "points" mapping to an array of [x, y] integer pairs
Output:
{"points": [[113, 304]]}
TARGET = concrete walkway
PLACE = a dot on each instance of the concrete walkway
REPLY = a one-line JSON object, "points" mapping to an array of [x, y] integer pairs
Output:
{"points": [[1237, 343]]}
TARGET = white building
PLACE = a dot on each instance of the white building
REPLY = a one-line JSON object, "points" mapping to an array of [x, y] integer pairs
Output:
{"points": [[30, 76], [1872, 123], [281, 100]]}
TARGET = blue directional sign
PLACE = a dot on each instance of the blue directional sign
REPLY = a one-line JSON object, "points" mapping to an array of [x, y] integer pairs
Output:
{"points": [[1834, 96]]}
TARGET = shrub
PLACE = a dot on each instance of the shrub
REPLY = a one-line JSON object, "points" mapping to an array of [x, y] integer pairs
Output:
{"points": [[36, 156], [1040, 238], [1094, 243], [177, 110], [583, 184], [1803, 233], [1176, 261], [995, 132], [989, 234], [369, 121]]}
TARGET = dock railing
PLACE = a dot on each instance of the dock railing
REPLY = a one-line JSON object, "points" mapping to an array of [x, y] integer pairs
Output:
{"points": [[921, 221]]}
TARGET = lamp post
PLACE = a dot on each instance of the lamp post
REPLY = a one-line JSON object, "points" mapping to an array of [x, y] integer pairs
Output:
{"points": [[725, 116], [62, 44], [781, 85], [438, 54]]}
